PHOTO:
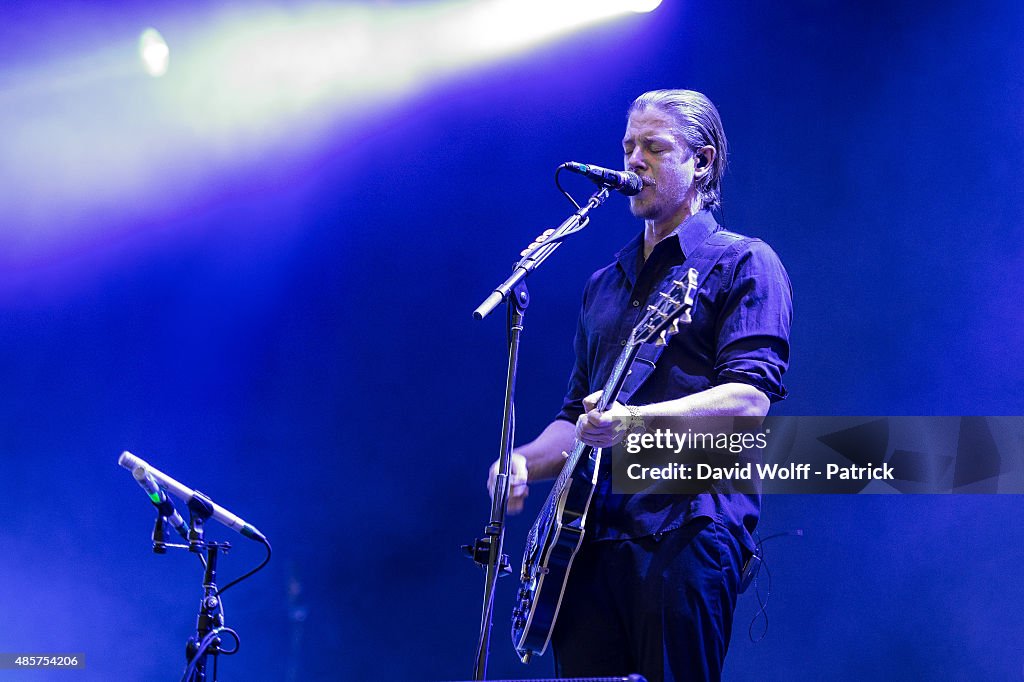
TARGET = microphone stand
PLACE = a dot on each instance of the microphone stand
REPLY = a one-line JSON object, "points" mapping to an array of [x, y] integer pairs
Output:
{"points": [[210, 623], [210, 628], [211, 632], [487, 551]]}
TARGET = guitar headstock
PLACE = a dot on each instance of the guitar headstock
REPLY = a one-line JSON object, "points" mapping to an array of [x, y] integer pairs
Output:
{"points": [[670, 311]]}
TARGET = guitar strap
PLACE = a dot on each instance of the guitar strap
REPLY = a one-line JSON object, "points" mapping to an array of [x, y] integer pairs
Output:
{"points": [[704, 258]]}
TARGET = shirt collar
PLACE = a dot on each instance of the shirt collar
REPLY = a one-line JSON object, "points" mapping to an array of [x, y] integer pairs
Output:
{"points": [[690, 234], [694, 230]]}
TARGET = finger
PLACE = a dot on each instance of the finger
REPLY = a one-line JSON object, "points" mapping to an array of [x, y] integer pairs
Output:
{"points": [[519, 471], [600, 420], [598, 436], [491, 477], [595, 440], [590, 402], [517, 478], [590, 425], [602, 424]]}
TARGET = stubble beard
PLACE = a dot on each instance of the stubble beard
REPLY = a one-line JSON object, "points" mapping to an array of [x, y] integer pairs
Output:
{"points": [[645, 209]]}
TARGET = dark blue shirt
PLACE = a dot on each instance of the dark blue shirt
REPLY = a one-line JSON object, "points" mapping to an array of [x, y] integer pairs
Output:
{"points": [[739, 333]]}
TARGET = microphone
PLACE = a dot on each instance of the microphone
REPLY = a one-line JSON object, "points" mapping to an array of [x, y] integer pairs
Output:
{"points": [[160, 500], [133, 464], [627, 182]]}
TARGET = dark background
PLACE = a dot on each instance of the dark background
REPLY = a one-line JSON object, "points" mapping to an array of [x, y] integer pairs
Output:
{"points": [[295, 339]]}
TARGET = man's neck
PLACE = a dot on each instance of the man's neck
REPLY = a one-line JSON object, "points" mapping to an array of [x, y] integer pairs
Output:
{"points": [[656, 230]]}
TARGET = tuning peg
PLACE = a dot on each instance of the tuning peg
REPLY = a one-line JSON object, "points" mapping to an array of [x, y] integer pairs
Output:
{"points": [[672, 329], [655, 310], [666, 333]]}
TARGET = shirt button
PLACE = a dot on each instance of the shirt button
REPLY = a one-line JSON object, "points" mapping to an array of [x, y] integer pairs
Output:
{"points": [[636, 304], [622, 342]]}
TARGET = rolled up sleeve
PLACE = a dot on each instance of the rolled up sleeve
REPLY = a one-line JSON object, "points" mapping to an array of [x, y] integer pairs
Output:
{"points": [[754, 325]]}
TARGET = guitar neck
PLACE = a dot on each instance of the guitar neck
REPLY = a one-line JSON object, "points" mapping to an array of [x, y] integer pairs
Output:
{"points": [[661, 321], [620, 371], [612, 388]]}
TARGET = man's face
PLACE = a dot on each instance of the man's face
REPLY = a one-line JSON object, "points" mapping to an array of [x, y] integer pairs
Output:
{"points": [[653, 150]]}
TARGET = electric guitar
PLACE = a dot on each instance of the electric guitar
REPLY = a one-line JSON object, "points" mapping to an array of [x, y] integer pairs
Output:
{"points": [[557, 534]]}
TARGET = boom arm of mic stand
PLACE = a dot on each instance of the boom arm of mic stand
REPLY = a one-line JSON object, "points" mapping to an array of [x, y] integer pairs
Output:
{"points": [[574, 223]]}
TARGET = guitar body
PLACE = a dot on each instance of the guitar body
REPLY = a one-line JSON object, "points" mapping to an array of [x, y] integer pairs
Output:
{"points": [[554, 540], [557, 534]]}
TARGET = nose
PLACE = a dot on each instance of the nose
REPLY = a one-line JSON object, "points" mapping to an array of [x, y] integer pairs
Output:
{"points": [[635, 160]]}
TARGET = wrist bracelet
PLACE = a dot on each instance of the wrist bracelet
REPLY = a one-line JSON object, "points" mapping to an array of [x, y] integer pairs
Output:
{"points": [[636, 420]]}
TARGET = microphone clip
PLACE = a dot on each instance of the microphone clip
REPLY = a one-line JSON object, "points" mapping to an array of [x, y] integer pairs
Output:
{"points": [[200, 509], [160, 534]]}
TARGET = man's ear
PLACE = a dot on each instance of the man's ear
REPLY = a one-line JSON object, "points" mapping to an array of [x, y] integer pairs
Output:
{"points": [[703, 161]]}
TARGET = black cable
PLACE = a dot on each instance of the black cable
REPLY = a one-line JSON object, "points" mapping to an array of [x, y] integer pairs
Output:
{"points": [[234, 636], [190, 669], [265, 561], [763, 605], [762, 609], [796, 533], [560, 189], [549, 240], [721, 204]]}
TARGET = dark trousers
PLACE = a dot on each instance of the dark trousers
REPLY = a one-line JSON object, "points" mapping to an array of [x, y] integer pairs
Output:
{"points": [[661, 606]]}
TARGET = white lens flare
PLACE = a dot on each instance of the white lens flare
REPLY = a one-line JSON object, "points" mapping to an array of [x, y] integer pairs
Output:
{"points": [[154, 53], [249, 80]]}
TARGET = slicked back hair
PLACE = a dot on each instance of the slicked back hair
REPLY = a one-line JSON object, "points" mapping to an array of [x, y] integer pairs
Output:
{"points": [[698, 124]]}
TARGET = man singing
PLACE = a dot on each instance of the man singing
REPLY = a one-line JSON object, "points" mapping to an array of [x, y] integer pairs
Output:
{"points": [[654, 587]]}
